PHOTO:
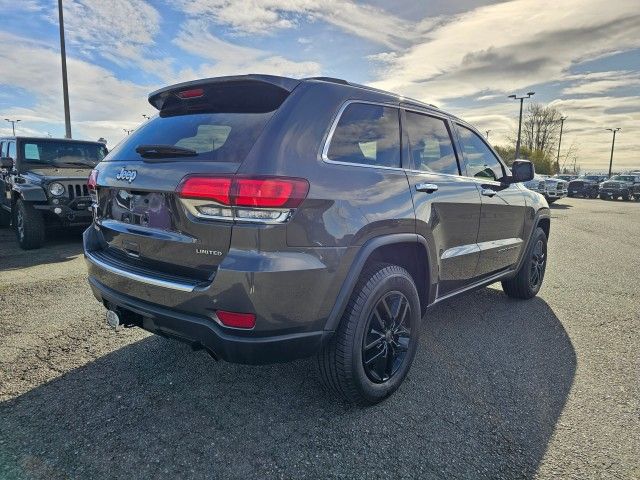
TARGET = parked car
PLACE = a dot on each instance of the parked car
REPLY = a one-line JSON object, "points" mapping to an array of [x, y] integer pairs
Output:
{"points": [[536, 184], [586, 186], [566, 177], [44, 184], [267, 219], [621, 186], [555, 189]]}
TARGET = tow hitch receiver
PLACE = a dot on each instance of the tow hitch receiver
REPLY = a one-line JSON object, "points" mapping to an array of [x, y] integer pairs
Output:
{"points": [[113, 320]]}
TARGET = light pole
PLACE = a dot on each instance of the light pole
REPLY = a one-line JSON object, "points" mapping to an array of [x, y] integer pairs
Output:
{"points": [[128, 131], [13, 125], [562, 119], [65, 85], [613, 143], [515, 97], [488, 134], [146, 117]]}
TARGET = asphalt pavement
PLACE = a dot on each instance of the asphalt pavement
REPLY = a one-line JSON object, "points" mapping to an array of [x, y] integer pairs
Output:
{"points": [[546, 388]]}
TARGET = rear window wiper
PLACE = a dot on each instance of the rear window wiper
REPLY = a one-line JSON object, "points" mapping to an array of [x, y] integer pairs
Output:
{"points": [[164, 151]]}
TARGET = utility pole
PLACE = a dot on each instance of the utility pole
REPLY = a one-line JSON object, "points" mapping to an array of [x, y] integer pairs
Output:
{"points": [[515, 97], [562, 119], [65, 85], [613, 144], [13, 125]]}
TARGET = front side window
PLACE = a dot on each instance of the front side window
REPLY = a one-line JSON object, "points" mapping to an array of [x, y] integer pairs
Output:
{"points": [[481, 162], [430, 145], [367, 134], [11, 150]]}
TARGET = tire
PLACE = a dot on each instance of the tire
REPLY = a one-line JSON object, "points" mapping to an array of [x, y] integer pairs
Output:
{"points": [[625, 198], [29, 226], [5, 218], [341, 363], [604, 197], [527, 282], [551, 200]]}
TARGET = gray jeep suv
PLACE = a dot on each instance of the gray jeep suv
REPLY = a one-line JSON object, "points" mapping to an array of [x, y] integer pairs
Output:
{"points": [[267, 219]]}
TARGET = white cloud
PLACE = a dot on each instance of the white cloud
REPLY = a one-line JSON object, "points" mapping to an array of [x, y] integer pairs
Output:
{"points": [[266, 16], [600, 82], [101, 104], [231, 59], [509, 46]]}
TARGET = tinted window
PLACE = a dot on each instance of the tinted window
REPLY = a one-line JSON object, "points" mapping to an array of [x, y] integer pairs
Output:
{"points": [[62, 153], [430, 145], [481, 162], [11, 150], [3, 152], [367, 134], [216, 137]]}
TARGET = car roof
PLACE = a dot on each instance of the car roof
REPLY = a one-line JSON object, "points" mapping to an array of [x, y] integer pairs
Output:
{"points": [[289, 84]]}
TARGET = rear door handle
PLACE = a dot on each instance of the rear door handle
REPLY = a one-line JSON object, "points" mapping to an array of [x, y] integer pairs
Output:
{"points": [[487, 192], [426, 187]]}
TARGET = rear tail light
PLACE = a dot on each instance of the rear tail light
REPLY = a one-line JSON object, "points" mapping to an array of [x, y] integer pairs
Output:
{"points": [[236, 320], [243, 198]]}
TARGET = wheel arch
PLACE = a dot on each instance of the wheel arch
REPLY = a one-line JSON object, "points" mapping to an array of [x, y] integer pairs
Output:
{"points": [[407, 250]]}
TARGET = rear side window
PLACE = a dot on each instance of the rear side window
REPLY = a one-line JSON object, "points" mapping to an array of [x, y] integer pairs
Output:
{"points": [[11, 150], [481, 162], [430, 145], [368, 135], [215, 137]]}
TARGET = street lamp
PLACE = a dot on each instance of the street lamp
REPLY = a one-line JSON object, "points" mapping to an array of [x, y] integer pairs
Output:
{"points": [[65, 84], [13, 125], [613, 143], [128, 131], [562, 119], [488, 134], [146, 117], [515, 97]]}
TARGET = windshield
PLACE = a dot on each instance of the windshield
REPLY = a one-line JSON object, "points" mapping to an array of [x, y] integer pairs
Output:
{"points": [[214, 137], [622, 178], [65, 154]]}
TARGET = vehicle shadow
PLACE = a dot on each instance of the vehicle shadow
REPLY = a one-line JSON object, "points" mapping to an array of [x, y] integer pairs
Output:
{"points": [[560, 206], [61, 245], [482, 400]]}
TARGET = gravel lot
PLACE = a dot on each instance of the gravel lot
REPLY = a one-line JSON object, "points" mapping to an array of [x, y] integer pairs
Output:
{"points": [[547, 388]]}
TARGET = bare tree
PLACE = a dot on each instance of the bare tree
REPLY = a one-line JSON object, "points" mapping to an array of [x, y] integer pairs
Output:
{"points": [[540, 128]]}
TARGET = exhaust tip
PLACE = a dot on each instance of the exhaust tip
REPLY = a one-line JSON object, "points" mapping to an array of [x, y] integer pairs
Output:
{"points": [[113, 320]]}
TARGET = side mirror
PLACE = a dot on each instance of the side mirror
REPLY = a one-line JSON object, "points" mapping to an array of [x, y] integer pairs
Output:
{"points": [[6, 162], [522, 171]]}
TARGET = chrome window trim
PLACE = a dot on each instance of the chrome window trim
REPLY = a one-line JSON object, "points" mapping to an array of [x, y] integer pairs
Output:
{"points": [[325, 148]]}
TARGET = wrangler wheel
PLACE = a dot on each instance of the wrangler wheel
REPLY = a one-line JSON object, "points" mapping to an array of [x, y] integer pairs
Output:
{"points": [[29, 226]]}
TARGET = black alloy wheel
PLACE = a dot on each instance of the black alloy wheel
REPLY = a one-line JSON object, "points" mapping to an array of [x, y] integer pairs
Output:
{"points": [[538, 264], [387, 335]]}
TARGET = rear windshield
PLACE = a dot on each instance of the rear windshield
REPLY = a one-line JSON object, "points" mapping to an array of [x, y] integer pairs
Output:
{"points": [[61, 153], [215, 137]]}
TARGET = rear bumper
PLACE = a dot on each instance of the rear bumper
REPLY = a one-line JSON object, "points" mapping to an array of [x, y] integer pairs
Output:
{"points": [[205, 333], [291, 294]]}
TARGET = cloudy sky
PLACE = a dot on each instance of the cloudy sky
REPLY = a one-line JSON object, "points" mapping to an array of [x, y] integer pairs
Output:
{"points": [[582, 56]]}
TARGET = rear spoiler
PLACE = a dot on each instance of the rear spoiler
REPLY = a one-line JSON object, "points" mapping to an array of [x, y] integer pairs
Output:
{"points": [[232, 93]]}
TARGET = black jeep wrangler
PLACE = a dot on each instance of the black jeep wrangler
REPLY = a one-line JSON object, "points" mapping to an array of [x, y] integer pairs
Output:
{"points": [[267, 219], [43, 183]]}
